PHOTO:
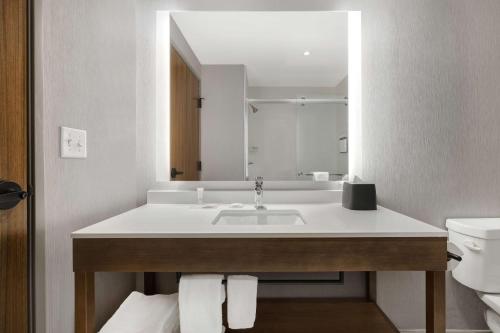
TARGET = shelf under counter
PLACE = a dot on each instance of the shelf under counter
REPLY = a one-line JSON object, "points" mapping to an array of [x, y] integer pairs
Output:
{"points": [[319, 315]]}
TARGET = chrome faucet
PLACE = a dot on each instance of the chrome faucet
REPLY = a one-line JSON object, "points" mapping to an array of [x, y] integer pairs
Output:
{"points": [[259, 193]]}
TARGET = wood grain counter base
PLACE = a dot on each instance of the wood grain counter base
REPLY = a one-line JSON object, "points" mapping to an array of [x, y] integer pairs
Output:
{"points": [[258, 254], [268, 255]]}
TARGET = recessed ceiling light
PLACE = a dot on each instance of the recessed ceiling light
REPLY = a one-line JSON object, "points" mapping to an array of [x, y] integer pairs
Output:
{"points": [[306, 53]]}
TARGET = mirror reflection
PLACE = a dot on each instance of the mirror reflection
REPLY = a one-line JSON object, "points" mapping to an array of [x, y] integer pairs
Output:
{"points": [[258, 94]]}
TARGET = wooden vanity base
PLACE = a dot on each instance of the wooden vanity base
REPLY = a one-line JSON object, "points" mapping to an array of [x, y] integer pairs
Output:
{"points": [[319, 316], [259, 254], [427, 254]]}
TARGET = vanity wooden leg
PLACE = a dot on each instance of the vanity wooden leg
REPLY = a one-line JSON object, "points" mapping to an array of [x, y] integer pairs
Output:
{"points": [[84, 302], [435, 302], [149, 283], [371, 286]]}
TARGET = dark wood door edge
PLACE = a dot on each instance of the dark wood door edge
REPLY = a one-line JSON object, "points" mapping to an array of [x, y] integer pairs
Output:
{"points": [[31, 162]]}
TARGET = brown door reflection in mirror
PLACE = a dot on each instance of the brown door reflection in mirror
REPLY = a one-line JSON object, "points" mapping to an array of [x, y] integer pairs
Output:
{"points": [[184, 120]]}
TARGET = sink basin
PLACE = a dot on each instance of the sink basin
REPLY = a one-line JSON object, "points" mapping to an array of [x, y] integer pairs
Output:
{"points": [[259, 217]]}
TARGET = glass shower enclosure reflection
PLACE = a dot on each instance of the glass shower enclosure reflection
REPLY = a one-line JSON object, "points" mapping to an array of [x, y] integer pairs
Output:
{"points": [[289, 139]]}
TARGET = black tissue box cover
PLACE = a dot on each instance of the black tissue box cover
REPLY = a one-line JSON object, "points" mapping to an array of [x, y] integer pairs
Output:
{"points": [[359, 196]]}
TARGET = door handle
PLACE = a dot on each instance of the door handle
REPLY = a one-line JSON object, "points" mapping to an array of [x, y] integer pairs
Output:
{"points": [[11, 194], [174, 172]]}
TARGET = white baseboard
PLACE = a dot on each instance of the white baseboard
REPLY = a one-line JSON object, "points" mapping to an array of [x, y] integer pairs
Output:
{"points": [[447, 331]]}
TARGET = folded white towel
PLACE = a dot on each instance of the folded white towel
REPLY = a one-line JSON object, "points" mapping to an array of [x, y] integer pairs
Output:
{"points": [[200, 303], [145, 314], [241, 301], [320, 176]]}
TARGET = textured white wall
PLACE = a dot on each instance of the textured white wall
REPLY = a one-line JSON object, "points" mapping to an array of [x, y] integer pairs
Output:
{"points": [[430, 118], [85, 65]]}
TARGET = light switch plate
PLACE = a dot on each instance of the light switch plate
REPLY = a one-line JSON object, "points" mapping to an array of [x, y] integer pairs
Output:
{"points": [[73, 143]]}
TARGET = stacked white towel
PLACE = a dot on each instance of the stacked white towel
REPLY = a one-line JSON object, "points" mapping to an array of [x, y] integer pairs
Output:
{"points": [[200, 303], [241, 301], [145, 314], [321, 176]]}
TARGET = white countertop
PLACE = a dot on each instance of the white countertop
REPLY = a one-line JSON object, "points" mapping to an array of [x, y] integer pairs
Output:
{"points": [[193, 221]]}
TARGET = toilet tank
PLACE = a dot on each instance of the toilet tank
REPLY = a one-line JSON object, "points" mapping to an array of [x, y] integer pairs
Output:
{"points": [[479, 240]]}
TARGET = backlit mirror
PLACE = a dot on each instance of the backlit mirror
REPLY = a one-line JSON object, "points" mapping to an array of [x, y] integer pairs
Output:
{"points": [[258, 94]]}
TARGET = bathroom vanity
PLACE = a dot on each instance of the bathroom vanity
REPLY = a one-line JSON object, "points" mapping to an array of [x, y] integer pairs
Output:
{"points": [[283, 102], [185, 237]]}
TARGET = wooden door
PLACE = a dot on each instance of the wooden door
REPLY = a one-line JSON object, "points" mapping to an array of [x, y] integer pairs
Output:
{"points": [[184, 120], [13, 166]]}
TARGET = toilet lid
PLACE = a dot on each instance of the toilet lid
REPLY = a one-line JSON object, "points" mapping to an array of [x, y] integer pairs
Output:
{"points": [[492, 300], [486, 228]]}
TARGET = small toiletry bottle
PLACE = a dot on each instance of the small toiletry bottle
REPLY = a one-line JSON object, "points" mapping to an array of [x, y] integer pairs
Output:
{"points": [[199, 192]]}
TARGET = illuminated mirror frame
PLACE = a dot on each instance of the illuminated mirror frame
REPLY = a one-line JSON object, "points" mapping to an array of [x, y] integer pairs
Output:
{"points": [[163, 97]]}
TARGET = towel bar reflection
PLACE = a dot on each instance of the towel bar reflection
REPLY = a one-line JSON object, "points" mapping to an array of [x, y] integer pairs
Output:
{"points": [[302, 100], [302, 173]]}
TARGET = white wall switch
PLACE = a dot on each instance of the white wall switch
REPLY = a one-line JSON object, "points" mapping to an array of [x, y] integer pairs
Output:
{"points": [[73, 143]]}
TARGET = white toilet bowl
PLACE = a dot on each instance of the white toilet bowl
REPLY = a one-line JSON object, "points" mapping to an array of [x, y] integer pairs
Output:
{"points": [[493, 321], [491, 315], [479, 240]]}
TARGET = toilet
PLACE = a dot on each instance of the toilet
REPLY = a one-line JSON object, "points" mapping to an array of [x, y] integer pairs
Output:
{"points": [[479, 240]]}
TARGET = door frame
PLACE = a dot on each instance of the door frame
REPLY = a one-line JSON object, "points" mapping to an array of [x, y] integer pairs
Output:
{"points": [[30, 89]]}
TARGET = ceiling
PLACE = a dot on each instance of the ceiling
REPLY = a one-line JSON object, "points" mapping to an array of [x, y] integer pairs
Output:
{"points": [[271, 45]]}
